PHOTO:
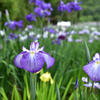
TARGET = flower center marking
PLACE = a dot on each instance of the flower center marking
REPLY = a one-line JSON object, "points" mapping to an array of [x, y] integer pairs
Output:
{"points": [[97, 62], [32, 52]]}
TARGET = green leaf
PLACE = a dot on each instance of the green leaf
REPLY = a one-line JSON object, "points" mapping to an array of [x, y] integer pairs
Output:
{"points": [[58, 92], [87, 53], [3, 93], [67, 88]]}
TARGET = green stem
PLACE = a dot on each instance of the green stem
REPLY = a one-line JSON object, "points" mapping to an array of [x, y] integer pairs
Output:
{"points": [[91, 92], [99, 93], [33, 79]]}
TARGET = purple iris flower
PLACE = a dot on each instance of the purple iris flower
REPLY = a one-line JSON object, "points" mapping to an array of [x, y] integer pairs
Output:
{"points": [[43, 9], [93, 68], [62, 37], [12, 24], [12, 36], [62, 6], [76, 6], [52, 30], [33, 59], [42, 13], [69, 39], [56, 41], [46, 6], [30, 17], [89, 84], [68, 7], [20, 24], [29, 26]]}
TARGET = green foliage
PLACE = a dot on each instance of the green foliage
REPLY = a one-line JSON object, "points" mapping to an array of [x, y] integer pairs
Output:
{"points": [[17, 9], [90, 11]]}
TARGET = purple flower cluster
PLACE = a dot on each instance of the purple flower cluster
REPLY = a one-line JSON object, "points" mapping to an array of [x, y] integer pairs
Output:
{"points": [[69, 6], [42, 9], [12, 24], [33, 59]]}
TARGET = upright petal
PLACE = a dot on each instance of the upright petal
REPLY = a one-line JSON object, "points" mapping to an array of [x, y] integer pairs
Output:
{"points": [[32, 46], [96, 57], [37, 45], [48, 59], [32, 62]]}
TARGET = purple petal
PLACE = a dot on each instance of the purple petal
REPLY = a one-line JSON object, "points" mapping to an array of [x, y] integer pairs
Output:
{"points": [[48, 59], [32, 46], [17, 60], [93, 70], [37, 45], [32, 62], [88, 85], [97, 85]]}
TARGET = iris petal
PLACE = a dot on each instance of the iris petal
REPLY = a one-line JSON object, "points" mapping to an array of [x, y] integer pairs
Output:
{"points": [[24, 49], [93, 70], [48, 59], [37, 45], [32, 63], [88, 85], [97, 56], [32, 46], [17, 60], [41, 49]]}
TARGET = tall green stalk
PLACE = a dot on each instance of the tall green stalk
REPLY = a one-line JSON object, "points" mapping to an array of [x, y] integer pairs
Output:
{"points": [[33, 79]]}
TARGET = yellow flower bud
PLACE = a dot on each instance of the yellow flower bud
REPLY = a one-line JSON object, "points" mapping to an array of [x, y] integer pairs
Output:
{"points": [[46, 77]]}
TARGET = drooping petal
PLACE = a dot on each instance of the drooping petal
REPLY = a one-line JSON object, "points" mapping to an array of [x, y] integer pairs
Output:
{"points": [[32, 46], [32, 62], [48, 59], [18, 59], [88, 85], [93, 70], [97, 85]]}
